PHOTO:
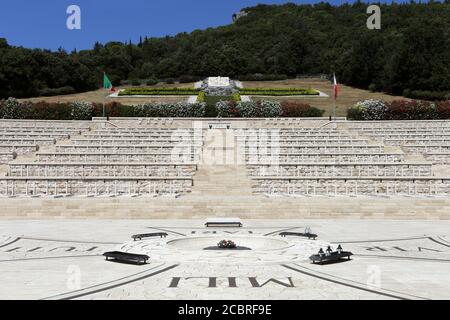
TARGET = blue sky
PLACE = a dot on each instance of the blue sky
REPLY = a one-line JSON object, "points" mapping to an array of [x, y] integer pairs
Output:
{"points": [[42, 23]]}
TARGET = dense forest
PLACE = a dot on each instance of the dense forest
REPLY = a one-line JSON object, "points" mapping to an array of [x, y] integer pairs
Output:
{"points": [[410, 53]]}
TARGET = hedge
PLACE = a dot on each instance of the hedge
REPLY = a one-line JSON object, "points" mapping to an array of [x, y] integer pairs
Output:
{"points": [[201, 97], [399, 110], [262, 77], [278, 92], [159, 92], [47, 92], [266, 109], [427, 95], [14, 109], [294, 109]]}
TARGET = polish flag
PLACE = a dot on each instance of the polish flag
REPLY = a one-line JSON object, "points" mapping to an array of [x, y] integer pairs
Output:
{"points": [[335, 87]]}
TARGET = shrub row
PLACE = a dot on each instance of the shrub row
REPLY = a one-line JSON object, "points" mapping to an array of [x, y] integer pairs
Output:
{"points": [[14, 109], [266, 109], [47, 92], [159, 91], [427, 95], [399, 110], [279, 92], [262, 77], [294, 109]]}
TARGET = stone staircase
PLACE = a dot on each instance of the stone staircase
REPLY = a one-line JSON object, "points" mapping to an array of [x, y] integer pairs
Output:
{"points": [[219, 174]]}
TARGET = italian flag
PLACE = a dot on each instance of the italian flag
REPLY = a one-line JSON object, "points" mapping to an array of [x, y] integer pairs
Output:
{"points": [[107, 83], [335, 87]]}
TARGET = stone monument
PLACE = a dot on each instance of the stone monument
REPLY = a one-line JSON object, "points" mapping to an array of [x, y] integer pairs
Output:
{"points": [[218, 86]]}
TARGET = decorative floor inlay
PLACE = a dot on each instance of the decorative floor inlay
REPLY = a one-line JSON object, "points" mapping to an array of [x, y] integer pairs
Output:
{"points": [[63, 260]]}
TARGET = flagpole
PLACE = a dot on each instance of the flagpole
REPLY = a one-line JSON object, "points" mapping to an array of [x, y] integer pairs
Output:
{"points": [[334, 105], [334, 96]]}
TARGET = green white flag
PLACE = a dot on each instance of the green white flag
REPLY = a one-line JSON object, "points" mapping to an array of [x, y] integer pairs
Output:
{"points": [[107, 83]]}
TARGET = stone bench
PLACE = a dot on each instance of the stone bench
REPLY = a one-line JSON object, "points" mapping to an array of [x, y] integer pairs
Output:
{"points": [[149, 235], [223, 222], [126, 257], [298, 234]]}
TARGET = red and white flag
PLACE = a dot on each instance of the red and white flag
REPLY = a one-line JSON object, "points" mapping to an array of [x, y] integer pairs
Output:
{"points": [[335, 87]]}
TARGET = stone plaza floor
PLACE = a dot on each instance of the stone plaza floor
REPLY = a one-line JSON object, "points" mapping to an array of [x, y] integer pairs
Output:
{"points": [[62, 259]]}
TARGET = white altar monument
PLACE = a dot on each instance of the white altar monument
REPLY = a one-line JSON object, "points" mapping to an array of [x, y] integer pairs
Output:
{"points": [[218, 82]]}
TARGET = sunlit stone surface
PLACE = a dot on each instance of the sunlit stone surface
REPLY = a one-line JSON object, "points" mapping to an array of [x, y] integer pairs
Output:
{"points": [[52, 259], [218, 81]]}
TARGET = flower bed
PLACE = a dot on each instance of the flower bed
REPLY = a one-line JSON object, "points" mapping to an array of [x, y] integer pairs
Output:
{"points": [[226, 244], [141, 91], [278, 92]]}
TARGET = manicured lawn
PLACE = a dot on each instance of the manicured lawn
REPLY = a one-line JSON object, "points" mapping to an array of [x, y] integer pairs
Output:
{"points": [[212, 100]]}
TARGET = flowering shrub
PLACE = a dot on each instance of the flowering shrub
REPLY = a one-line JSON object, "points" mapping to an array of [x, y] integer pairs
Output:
{"points": [[399, 110], [443, 109], [12, 109], [266, 109], [296, 109], [270, 109], [82, 110], [223, 109], [248, 109], [260, 109], [372, 109], [176, 110], [411, 110]]}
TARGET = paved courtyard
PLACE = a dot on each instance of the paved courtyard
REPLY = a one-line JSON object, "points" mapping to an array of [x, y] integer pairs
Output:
{"points": [[62, 259]]}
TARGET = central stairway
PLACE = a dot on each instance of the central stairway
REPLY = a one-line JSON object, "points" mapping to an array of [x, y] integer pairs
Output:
{"points": [[219, 173]]}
